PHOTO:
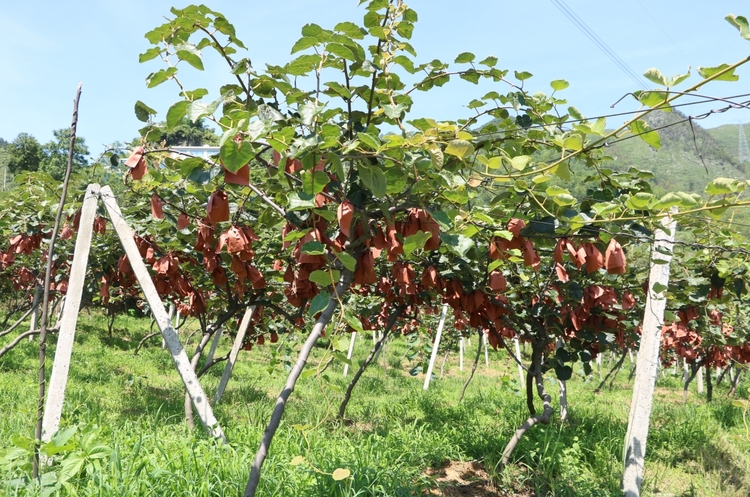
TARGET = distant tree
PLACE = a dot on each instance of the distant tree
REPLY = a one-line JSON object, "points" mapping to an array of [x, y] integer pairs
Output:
{"points": [[25, 153], [55, 160], [190, 133], [3, 143]]}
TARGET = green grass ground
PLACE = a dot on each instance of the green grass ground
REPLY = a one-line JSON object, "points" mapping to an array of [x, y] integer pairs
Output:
{"points": [[398, 440]]}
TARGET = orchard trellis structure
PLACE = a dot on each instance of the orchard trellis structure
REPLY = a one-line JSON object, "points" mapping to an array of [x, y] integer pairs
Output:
{"points": [[69, 319]]}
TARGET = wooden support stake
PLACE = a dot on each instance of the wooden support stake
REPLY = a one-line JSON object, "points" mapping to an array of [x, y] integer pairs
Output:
{"points": [[521, 375], [351, 351], [486, 354], [236, 347], [76, 281], [647, 360], [435, 346], [180, 358], [461, 347]]}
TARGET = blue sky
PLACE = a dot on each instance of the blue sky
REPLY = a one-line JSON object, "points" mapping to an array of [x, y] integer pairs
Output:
{"points": [[47, 47]]}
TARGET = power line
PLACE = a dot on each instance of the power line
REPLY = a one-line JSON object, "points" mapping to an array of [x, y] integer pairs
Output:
{"points": [[591, 35]]}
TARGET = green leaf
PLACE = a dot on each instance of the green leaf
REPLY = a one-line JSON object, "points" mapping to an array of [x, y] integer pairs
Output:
{"points": [[520, 162], [707, 72], [323, 277], [642, 129], [564, 199], [559, 84], [341, 474], [314, 181], [234, 155], [573, 142], [655, 76], [522, 75], [370, 140], [143, 112], [191, 55], [658, 287], [297, 460], [725, 186], [490, 61], [149, 54], [355, 323], [314, 248], [175, 113], [739, 22], [459, 148], [563, 373], [350, 29], [341, 357], [436, 155], [373, 179], [640, 200], [347, 260], [301, 201], [415, 242], [303, 43], [459, 244], [319, 303], [464, 58], [160, 76]]}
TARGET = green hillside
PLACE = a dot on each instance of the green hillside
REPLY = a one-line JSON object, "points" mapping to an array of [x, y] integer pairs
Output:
{"points": [[728, 137], [677, 164]]}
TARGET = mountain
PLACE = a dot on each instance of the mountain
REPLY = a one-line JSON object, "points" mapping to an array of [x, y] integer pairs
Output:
{"points": [[689, 157]]}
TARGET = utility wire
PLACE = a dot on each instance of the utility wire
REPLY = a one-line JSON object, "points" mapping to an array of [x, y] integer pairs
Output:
{"points": [[591, 35]]}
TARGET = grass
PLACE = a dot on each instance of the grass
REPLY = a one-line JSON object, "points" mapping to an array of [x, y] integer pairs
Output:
{"points": [[131, 439]]}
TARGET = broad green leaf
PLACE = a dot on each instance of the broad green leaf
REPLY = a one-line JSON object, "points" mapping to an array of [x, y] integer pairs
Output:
{"points": [[160, 76], [415, 242], [658, 287], [350, 29], [707, 72], [490, 61], [724, 186], [495, 162], [640, 200], [341, 357], [564, 199], [314, 181], [373, 178], [677, 199], [459, 244], [323, 278], [652, 98], [559, 84], [304, 43], [464, 58], [347, 260], [556, 190], [562, 171], [234, 155], [643, 130], [319, 303], [341, 474], [149, 54], [353, 322], [393, 111], [436, 154], [522, 75], [519, 162], [314, 248], [573, 142], [370, 140], [301, 201], [143, 111], [296, 235], [191, 55], [459, 148], [654, 75], [739, 22], [679, 78], [175, 113]]}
